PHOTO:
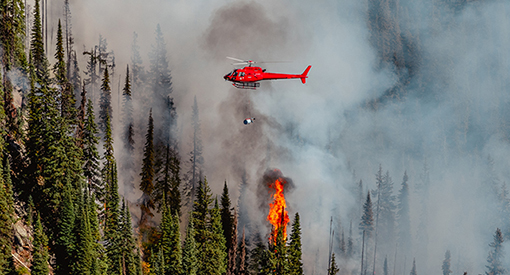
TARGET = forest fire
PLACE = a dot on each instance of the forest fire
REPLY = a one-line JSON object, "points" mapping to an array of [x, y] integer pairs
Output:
{"points": [[278, 216]]}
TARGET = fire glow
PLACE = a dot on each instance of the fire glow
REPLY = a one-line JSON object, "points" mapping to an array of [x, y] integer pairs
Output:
{"points": [[278, 216]]}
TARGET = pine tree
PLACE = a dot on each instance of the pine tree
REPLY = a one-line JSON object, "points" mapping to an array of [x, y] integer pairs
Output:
{"points": [[196, 159], [147, 174], [66, 91], [136, 61], [84, 243], [66, 243], [166, 188], [90, 154], [226, 217], [105, 108], [215, 247], [495, 267], [171, 242], [367, 220], [38, 57], [403, 219], [157, 263], [385, 266], [278, 256], [413, 270], [128, 245], [333, 270], [232, 252], [40, 253], [189, 251], [294, 250], [6, 214], [12, 34], [446, 263], [242, 270]]}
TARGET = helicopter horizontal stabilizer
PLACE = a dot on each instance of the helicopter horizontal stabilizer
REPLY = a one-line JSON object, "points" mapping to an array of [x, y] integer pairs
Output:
{"points": [[305, 73]]}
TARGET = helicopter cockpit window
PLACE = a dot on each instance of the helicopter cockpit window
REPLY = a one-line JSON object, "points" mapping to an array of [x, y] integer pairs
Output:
{"points": [[235, 73], [241, 74]]}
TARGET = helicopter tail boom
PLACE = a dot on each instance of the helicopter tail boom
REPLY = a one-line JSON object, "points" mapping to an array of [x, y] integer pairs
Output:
{"points": [[305, 73]]}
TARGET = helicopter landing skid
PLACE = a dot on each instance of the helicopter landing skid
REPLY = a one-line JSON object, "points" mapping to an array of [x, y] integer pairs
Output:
{"points": [[246, 85]]}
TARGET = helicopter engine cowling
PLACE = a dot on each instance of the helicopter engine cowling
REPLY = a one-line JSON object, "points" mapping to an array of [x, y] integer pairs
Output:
{"points": [[248, 121]]}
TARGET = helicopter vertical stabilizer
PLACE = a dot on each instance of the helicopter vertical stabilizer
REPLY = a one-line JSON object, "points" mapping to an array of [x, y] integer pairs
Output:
{"points": [[305, 73]]}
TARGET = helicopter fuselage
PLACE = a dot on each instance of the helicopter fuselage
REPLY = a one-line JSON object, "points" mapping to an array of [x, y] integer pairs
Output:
{"points": [[245, 77]]}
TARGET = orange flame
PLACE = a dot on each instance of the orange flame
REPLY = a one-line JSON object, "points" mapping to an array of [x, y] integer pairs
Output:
{"points": [[278, 216]]}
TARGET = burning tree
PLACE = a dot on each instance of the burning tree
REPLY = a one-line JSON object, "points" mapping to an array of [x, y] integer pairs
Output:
{"points": [[278, 216]]}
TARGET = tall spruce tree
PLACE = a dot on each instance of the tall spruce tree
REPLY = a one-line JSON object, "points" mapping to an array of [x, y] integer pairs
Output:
{"points": [[232, 252], [130, 259], [196, 158], [166, 187], [84, 240], [403, 218], [226, 216], [67, 100], [446, 263], [105, 108], [333, 269], [367, 220], [38, 57], [494, 265], [189, 251], [171, 242], [294, 250], [279, 254], [40, 254], [413, 270], [147, 174], [6, 221], [90, 154], [65, 252], [12, 35]]}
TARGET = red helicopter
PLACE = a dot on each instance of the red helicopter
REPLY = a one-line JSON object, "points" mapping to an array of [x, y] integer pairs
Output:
{"points": [[248, 77]]}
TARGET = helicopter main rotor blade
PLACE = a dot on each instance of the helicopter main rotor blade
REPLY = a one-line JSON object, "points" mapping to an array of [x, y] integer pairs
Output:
{"points": [[236, 59]]}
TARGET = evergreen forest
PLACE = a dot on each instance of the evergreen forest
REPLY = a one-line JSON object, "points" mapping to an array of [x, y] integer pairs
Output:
{"points": [[130, 164]]}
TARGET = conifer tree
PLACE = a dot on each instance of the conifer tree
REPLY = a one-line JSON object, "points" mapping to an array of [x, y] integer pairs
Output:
{"points": [[127, 114], [38, 57], [171, 242], [196, 158], [215, 250], [446, 263], [84, 242], [147, 174], [65, 242], [6, 214], [167, 186], [232, 252], [136, 61], [105, 108], [367, 220], [242, 270], [157, 263], [385, 266], [226, 217], [333, 269], [189, 251], [350, 243], [294, 250], [279, 254], [403, 219], [90, 154], [413, 270], [128, 245], [40, 253], [494, 265], [67, 100], [12, 35]]}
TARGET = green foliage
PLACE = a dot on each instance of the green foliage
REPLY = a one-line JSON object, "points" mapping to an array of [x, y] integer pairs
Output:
{"points": [[6, 213], [171, 242], [66, 243], [166, 188], [147, 174], [85, 243], [226, 216], [127, 114], [130, 257], [333, 269], [367, 220], [189, 251], [494, 265], [157, 263], [90, 155], [105, 108], [59, 69], [12, 34], [40, 253], [38, 58], [213, 255], [278, 252], [294, 249]]}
